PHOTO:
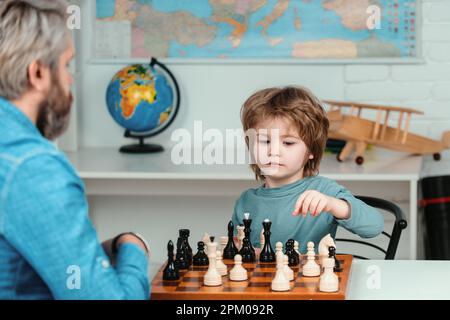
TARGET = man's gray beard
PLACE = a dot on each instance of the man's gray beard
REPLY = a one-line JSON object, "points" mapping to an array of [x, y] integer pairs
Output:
{"points": [[54, 112]]}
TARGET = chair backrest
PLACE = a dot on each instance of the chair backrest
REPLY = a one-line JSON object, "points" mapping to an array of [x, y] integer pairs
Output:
{"points": [[394, 238]]}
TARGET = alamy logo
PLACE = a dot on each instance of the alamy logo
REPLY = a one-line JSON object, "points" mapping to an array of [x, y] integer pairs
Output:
{"points": [[73, 281], [374, 280], [74, 18], [374, 20]]}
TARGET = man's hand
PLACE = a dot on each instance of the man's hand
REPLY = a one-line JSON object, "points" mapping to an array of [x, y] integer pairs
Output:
{"points": [[315, 203], [131, 238]]}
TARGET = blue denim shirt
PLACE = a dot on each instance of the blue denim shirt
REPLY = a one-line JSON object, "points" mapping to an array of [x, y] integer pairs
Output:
{"points": [[48, 246]]}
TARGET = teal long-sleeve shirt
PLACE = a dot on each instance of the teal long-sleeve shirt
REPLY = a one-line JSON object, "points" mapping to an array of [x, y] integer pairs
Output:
{"points": [[277, 204]]}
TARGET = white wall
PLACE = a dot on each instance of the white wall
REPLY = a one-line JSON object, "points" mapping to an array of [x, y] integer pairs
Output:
{"points": [[215, 93]]}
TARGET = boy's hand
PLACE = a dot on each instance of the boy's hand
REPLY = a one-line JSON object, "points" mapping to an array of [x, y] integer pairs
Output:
{"points": [[314, 202]]}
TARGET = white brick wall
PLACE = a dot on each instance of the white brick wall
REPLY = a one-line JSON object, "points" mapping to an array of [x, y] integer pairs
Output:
{"points": [[422, 86]]}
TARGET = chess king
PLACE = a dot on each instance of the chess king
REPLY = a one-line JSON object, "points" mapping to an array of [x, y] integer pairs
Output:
{"points": [[286, 131]]}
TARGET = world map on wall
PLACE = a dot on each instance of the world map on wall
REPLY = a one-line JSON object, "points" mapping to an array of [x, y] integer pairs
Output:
{"points": [[295, 29]]}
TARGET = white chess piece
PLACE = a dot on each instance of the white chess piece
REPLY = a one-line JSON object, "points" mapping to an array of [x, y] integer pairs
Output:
{"points": [[329, 281], [238, 273], [262, 239], [220, 266], [324, 244], [206, 239], [212, 276], [240, 236], [280, 282], [311, 268], [296, 245], [288, 271], [278, 247], [223, 243]]}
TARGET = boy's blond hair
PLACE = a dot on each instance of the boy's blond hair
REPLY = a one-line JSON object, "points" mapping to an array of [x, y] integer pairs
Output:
{"points": [[304, 112]]}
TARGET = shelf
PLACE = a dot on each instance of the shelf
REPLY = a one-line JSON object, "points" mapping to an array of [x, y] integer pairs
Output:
{"points": [[109, 163]]}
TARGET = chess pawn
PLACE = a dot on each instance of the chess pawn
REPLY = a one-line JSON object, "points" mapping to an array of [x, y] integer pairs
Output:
{"points": [[280, 282], [240, 236], [200, 258], [288, 271], [261, 239], [332, 254], [223, 243], [212, 277], [171, 271], [329, 281], [311, 268], [220, 266], [294, 258], [238, 273], [278, 247], [206, 240], [296, 245]]}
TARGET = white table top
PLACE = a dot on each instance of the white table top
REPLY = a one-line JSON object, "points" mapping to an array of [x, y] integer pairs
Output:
{"points": [[400, 280], [109, 163]]}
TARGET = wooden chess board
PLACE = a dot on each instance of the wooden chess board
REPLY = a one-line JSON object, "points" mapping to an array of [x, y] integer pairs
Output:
{"points": [[257, 287]]}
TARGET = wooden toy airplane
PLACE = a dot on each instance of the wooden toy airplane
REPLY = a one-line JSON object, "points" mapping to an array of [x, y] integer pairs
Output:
{"points": [[347, 124]]}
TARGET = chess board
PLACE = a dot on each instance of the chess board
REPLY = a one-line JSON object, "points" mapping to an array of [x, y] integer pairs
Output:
{"points": [[257, 287]]}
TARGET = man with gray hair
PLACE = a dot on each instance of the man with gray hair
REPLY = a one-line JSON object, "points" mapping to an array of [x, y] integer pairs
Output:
{"points": [[48, 246]]}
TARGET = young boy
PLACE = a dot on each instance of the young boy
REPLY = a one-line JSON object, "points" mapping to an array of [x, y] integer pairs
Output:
{"points": [[286, 131]]}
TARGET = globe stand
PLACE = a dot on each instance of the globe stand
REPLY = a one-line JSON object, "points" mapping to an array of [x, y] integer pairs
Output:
{"points": [[141, 147]]}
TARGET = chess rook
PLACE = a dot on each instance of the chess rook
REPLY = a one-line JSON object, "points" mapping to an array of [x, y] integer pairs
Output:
{"points": [[182, 257], [184, 234]]}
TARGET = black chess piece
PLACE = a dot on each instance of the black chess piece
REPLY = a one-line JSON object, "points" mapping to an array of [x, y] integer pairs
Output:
{"points": [[171, 270], [247, 251], [293, 257], [184, 234], [200, 258], [182, 258], [332, 254], [267, 253], [230, 249]]}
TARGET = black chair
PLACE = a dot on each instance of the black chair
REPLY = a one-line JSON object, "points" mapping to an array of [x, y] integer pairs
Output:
{"points": [[394, 238]]}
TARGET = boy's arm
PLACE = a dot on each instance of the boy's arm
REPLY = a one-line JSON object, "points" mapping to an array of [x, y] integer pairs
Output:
{"points": [[364, 220]]}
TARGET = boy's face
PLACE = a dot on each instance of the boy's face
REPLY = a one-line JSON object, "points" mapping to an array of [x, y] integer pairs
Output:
{"points": [[279, 152]]}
